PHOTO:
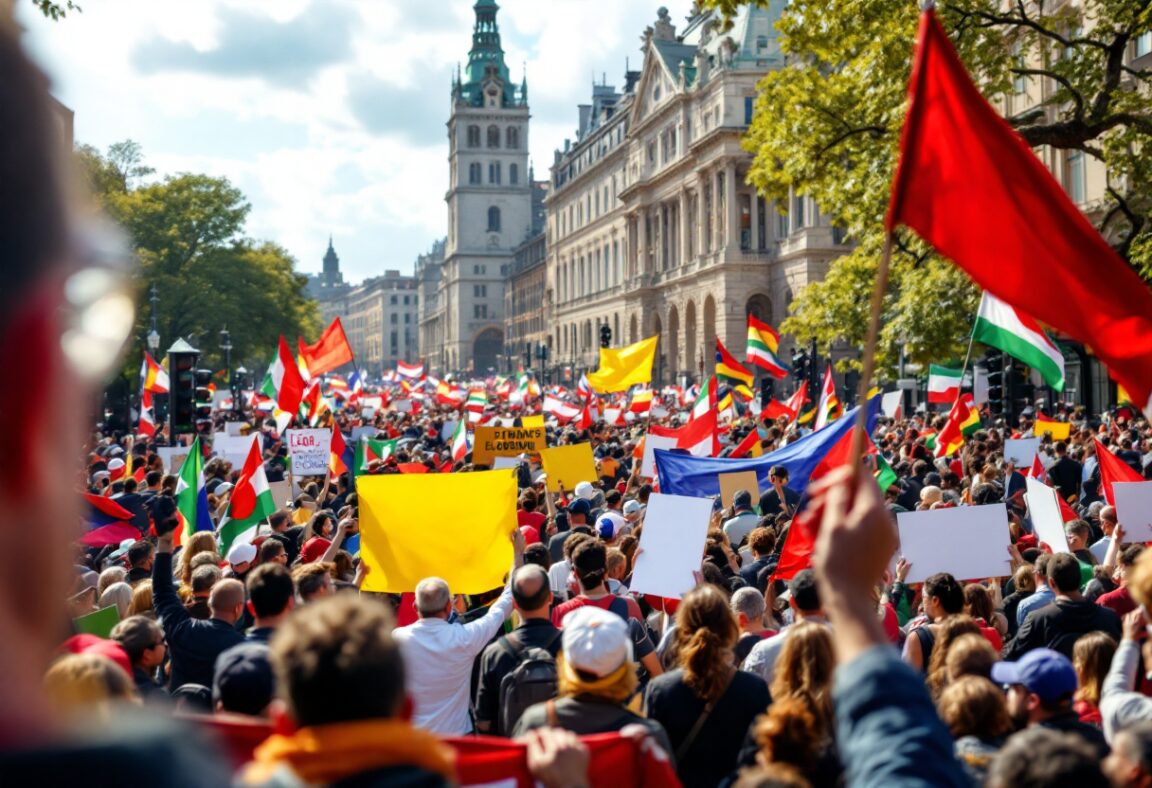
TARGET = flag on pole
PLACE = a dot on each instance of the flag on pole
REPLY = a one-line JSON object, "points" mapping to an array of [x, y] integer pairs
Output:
{"points": [[706, 400], [699, 436], [370, 450], [584, 388], [251, 502], [729, 367], [460, 444], [153, 378], [341, 458], [943, 384], [763, 345], [797, 401], [641, 402], [563, 412], [828, 410], [330, 351], [962, 166], [147, 426], [410, 371], [1003, 327], [963, 420], [621, 368], [1112, 470], [192, 496], [749, 447], [283, 381]]}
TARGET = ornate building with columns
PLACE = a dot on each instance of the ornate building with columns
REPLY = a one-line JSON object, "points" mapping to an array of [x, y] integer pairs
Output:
{"points": [[651, 227]]}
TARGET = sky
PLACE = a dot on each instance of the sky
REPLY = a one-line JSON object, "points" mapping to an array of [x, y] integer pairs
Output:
{"points": [[328, 114]]}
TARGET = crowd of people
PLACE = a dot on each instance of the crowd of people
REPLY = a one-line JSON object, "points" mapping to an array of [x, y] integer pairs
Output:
{"points": [[268, 666]]}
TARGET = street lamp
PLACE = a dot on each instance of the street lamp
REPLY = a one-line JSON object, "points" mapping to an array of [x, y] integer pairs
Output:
{"points": [[226, 346], [153, 339]]}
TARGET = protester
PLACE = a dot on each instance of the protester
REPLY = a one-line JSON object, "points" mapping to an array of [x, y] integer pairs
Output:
{"points": [[805, 601], [313, 581], [204, 579], [743, 520], [143, 641], [943, 597], [749, 607], [1092, 657], [976, 714], [1043, 595]]}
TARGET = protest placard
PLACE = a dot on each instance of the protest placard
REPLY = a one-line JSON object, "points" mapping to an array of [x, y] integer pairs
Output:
{"points": [[99, 623], [969, 542], [309, 451], [890, 403], [234, 428], [490, 442], [568, 464], [475, 513], [529, 422], [732, 483], [1047, 519], [363, 432], [675, 528], [1134, 509], [500, 463], [651, 444], [281, 493], [173, 457], [402, 405], [233, 448], [1021, 452], [448, 430]]}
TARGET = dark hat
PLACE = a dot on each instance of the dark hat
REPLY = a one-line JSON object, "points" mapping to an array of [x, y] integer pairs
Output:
{"points": [[742, 499], [243, 679], [580, 506]]}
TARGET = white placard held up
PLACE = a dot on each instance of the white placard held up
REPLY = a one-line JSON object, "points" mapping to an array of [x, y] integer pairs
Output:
{"points": [[448, 430], [890, 403], [969, 542], [1021, 451], [233, 448], [1047, 519], [499, 463], [363, 432], [309, 451], [1134, 509], [651, 444], [672, 544], [234, 428], [173, 457]]}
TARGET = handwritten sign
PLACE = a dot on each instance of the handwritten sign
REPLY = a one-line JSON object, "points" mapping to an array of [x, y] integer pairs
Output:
{"points": [[309, 450], [491, 442]]}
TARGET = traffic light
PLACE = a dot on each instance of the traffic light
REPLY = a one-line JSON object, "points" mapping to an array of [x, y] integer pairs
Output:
{"points": [[182, 391], [994, 363], [203, 395], [799, 365], [605, 335], [1020, 390]]}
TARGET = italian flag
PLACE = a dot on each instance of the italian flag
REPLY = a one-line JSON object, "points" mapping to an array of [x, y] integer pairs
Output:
{"points": [[283, 381], [1001, 326], [369, 450], [943, 384], [460, 441], [192, 496], [251, 502], [706, 400]]}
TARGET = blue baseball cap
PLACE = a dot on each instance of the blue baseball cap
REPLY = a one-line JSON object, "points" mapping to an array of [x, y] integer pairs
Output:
{"points": [[1047, 673], [580, 506]]}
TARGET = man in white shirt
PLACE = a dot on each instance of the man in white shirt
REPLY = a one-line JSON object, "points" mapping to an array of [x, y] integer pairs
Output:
{"points": [[1099, 549], [438, 656], [806, 606]]}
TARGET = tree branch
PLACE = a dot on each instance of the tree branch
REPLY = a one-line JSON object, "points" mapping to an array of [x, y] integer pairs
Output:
{"points": [[1043, 72], [876, 131]]}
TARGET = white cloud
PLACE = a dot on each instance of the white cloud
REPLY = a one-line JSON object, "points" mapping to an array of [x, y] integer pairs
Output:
{"points": [[349, 136]]}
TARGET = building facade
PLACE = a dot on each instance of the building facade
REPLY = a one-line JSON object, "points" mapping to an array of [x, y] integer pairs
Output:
{"points": [[382, 321], [428, 272], [489, 203], [652, 228]]}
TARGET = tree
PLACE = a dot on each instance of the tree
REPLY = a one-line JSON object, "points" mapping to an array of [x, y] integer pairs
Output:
{"points": [[828, 125], [187, 231], [56, 10]]}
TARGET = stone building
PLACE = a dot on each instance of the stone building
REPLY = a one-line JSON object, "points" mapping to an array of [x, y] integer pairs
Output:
{"points": [[381, 321]]}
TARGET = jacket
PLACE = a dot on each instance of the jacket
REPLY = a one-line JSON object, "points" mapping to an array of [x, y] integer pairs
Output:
{"points": [[1058, 625], [498, 660]]}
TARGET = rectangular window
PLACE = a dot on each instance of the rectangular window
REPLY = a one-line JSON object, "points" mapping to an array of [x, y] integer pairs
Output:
{"points": [[393, 300], [405, 299], [480, 311], [494, 173], [1075, 184], [407, 318], [1143, 44], [395, 318], [749, 101]]}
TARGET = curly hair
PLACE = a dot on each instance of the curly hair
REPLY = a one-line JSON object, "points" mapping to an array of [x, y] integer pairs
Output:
{"points": [[201, 542], [970, 655], [708, 631], [790, 733], [804, 671], [974, 706], [948, 632]]}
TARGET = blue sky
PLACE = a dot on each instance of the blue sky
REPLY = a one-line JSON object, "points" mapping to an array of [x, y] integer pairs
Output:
{"points": [[328, 114]]}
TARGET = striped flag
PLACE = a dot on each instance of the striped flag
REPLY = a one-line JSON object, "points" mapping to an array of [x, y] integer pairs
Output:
{"points": [[251, 502], [706, 400], [460, 445], [192, 496], [828, 410], [963, 420], [641, 402], [284, 383], [153, 378], [1005, 328], [943, 384], [763, 345], [728, 367], [410, 371]]}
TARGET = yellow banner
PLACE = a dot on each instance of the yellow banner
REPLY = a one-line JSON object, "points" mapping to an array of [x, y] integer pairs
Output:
{"points": [[1060, 429], [451, 525], [491, 442], [532, 421], [569, 464], [621, 368]]}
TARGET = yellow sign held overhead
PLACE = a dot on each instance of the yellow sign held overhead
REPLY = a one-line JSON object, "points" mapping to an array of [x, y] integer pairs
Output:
{"points": [[569, 464]]}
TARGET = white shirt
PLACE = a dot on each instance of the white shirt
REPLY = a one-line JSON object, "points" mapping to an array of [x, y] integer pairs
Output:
{"points": [[761, 660], [558, 575], [438, 666], [1100, 548]]}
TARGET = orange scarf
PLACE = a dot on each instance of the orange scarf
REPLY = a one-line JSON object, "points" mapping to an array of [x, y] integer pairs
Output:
{"points": [[326, 753]]}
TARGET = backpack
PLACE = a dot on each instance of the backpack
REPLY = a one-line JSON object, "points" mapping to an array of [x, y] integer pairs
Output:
{"points": [[533, 680]]}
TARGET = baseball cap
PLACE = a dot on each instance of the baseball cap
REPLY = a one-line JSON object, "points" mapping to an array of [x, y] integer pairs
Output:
{"points": [[580, 506], [585, 490], [1045, 672], [223, 487], [241, 553], [243, 679], [742, 499], [595, 641], [101, 647], [632, 508], [122, 549], [609, 524]]}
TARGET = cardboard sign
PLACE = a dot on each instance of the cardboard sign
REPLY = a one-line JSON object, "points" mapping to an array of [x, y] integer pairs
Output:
{"points": [[233, 448], [1047, 519], [969, 542], [1021, 451], [651, 444], [532, 421], [309, 451], [675, 528], [99, 623], [569, 464], [448, 430], [173, 457], [491, 442], [281, 493], [1134, 509], [732, 483]]}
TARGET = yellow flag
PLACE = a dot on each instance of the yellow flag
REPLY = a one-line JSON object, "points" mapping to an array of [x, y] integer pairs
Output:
{"points": [[569, 464], [532, 421], [624, 367], [1061, 430], [451, 525]]}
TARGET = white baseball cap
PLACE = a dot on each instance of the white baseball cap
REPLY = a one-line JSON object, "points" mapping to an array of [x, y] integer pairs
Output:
{"points": [[241, 553], [632, 508], [595, 641], [608, 525], [585, 490]]}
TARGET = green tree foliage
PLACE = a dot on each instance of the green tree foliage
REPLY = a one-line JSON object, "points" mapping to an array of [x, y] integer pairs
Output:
{"points": [[828, 125], [56, 10], [187, 231]]}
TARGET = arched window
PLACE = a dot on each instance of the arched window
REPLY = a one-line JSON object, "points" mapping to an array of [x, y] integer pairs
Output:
{"points": [[473, 136], [512, 138], [494, 173], [513, 174], [493, 136], [475, 172], [493, 219]]}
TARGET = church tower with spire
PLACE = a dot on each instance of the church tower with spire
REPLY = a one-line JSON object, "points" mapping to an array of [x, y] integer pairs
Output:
{"points": [[489, 201]]}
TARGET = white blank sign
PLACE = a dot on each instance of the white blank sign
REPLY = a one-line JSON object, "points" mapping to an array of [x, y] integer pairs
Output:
{"points": [[1021, 451], [1047, 519], [968, 542], [651, 444], [1134, 509], [672, 545]]}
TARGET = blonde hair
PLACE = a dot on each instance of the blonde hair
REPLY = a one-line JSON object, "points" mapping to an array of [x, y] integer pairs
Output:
{"points": [[1092, 657], [707, 631], [1140, 580], [141, 600], [1025, 578], [113, 574], [804, 671], [120, 595], [88, 683], [201, 542]]}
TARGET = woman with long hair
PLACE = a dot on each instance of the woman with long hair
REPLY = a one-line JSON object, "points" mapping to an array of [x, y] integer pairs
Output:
{"points": [[951, 630], [1025, 584], [706, 705], [142, 600], [200, 542], [1092, 657], [976, 713]]}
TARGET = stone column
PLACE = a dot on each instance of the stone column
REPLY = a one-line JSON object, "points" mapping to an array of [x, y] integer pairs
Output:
{"points": [[754, 204], [642, 242], [682, 216], [732, 222]]}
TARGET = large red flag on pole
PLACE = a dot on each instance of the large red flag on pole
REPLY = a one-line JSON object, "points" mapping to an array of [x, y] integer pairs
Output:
{"points": [[971, 187], [330, 351]]}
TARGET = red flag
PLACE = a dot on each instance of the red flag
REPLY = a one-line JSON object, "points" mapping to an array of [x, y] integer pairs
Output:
{"points": [[1113, 469], [329, 352], [775, 409], [751, 443], [971, 187], [796, 402]]}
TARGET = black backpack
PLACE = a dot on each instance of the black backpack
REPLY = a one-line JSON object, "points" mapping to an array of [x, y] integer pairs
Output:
{"points": [[533, 680]]}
